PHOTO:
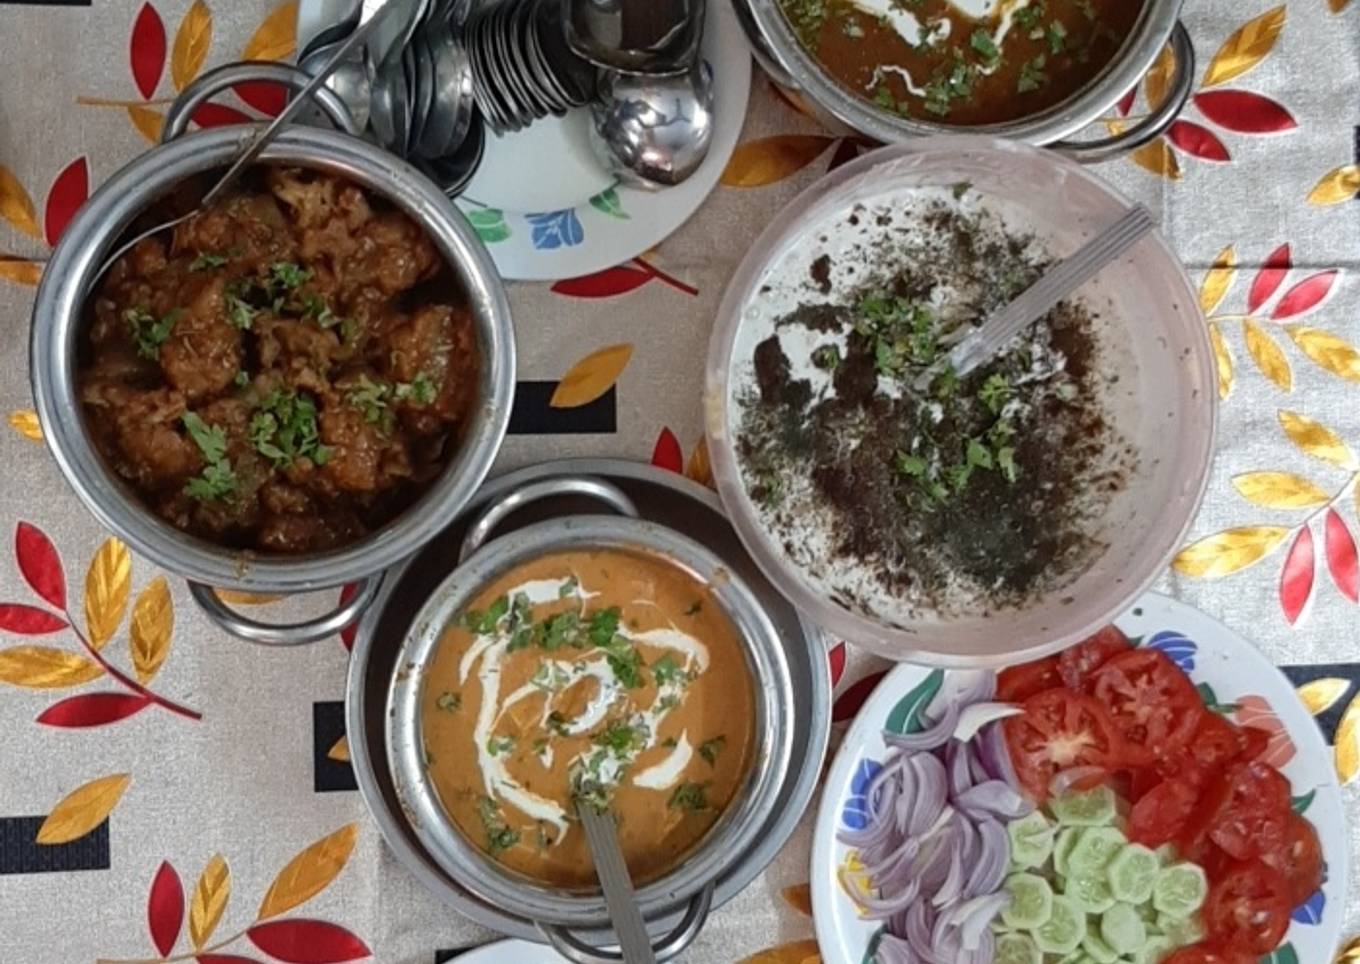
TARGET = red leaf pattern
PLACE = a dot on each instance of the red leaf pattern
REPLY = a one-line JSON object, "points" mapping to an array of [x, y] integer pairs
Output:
{"points": [[608, 283], [1341, 557], [307, 942], [667, 453], [836, 658], [93, 709], [1269, 278], [165, 908], [347, 634], [1197, 141], [1305, 296], [1125, 103], [147, 50], [215, 115], [28, 620], [1244, 112], [849, 702], [68, 193], [224, 959], [1296, 579], [40, 564], [268, 99]]}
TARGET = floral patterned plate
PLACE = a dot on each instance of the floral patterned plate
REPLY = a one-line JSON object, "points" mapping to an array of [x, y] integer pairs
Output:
{"points": [[1233, 678]]}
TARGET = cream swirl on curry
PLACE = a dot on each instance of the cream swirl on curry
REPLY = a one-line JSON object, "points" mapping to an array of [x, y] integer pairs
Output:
{"points": [[609, 676]]}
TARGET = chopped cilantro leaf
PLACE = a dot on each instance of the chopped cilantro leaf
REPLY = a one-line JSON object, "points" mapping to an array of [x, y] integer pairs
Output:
{"points": [[370, 398], [284, 429], [568, 588], [1005, 461], [604, 625], [1057, 37], [148, 333], [1032, 75], [665, 670], [419, 390], [449, 701], [205, 261], [690, 796], [621, 738], [695, 608], [217, 481], [286, 275], [499, 744], [710, 749], [210, 439], [982, 42]]}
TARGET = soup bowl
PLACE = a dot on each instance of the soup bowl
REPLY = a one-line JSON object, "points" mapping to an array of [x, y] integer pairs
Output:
{"points": [[59, 323], [687, 885], [788, 62]]}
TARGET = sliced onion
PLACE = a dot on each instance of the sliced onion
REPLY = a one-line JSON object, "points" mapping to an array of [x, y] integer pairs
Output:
{"points": [[973, 917], [949, 891], [1075, 778], [957, 763], [931, 791], [993, 798], [928, 739], [895, 950], [975, 717], [995, 755], [994, 854]]}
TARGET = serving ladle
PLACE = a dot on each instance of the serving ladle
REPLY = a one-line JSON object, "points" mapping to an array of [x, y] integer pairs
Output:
{"points": [[603, 837]]}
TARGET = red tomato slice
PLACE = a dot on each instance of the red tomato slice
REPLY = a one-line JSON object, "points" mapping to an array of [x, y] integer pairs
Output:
{"points": [[1152, 703], [1252, 812], [1216, 742], [1015, 684], [1248, 909], [1254, 742], [1299, 860], [1160, 816], [1208, 954], [1077, 664], [1059, 729]]}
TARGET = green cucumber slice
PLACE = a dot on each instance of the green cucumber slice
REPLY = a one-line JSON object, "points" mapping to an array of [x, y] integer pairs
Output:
{"points": [[1123, 929], [1166, 853], [1031, 840], [1031, 901], [1095, 848], [1062, 849], [1182, 931], [1017, 949], [1179, 890], [1154, 950], [1065, 928], [1132, 874], [1097, 950], [1093, 808], [1090, 892]]}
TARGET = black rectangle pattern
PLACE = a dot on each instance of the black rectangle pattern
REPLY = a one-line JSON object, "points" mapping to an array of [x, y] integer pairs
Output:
{"points": [[1329, 719], [46, 3], [20, 853], [328, 725], [534, 415], [443, 957]]}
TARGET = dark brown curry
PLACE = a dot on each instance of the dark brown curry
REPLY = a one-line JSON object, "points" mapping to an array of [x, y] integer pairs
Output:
{"points": [[288, 373], [932, 60]]}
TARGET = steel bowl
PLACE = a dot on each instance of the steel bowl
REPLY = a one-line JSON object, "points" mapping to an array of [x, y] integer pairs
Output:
{"points": [[690, 884], [777, 48], [58, 322]]}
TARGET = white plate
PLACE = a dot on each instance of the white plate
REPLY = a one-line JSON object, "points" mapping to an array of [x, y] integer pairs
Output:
{"points": [[510, 952], [1212, 655], [548, 210]]}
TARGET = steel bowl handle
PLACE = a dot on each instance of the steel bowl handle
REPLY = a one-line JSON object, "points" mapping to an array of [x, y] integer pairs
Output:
{"points": [[212, 83], [1152, 126], [286, 634], [667, 948], [492, 516]]}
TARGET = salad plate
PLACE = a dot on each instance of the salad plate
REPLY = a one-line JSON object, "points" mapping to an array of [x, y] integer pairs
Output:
{"points": [[1231, 677]]}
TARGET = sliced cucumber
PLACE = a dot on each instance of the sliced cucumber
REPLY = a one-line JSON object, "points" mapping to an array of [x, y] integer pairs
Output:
{"points": [[1182, 931], [1062, 849], [1090, 892], [1065, 928], [1017, 949], [1095, 848], [1154, 950], [1166, 853], [1031, 901], [1132, 874], [1093, 808], [1179, 890], [1031, 840], [1123, 929], [1097, 950]]}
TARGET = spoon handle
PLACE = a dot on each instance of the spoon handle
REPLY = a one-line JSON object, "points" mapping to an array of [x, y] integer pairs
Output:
{"points": [[1057, 283], [603, 838]]}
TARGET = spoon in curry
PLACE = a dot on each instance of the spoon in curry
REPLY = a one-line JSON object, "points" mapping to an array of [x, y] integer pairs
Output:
{"points": [[374, 12], [603, 837]]}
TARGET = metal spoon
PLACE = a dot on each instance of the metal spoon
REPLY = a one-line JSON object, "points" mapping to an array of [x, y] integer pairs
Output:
{"points": [[350, 81], [653, 37], [624, 914], [654, 132]]}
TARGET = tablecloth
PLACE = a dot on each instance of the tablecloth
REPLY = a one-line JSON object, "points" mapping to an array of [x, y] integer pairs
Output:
{"points": [[165, 789]]}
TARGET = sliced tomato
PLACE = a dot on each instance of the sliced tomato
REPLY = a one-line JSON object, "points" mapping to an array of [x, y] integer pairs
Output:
{"points": [[1254, 741], [1251, 810], [1077, 664], [1248, 908], [1209, 954], [1059, 729], [1161, 814], [1015, 684], [1216, 742], [1153, 703], [1298, 859]]}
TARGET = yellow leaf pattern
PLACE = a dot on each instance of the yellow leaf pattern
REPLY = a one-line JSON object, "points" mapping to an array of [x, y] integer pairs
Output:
{"points": [[1158, 158], [1337, 186], [45, 668], [1350, 954], [211, 894], [1222, 360], [153, 624], [309, 873], [699, 468], [237, 598], [20, 271], [799, 897], [192, 41], [1158, 79], [1267, 355], [1348, 743], [1218, 280], [339, 750], [1232, 550], [1279, 490], [107, 585], [1317, 440], [1246, 48], [1334, 354], [16, 206], [147, 121], [795, 953], [1320, 695], [770, 159], [83, 810], [276, 38], [25, 422], [591, 377]]}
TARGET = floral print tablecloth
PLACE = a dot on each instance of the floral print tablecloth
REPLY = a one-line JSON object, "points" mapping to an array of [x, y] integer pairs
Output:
{"points": [[167, 793]]}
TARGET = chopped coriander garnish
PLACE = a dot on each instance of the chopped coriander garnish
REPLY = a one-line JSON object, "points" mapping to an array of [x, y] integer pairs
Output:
{"points": [[670, 743], [604, 626], [689, 796], [540, 745], [557, 723], [419, 390], [287, 275], [710, 749], [240, 312], [449, 701], [205, 261], [561, 630], [912, 465], [827, 357], [626, 662], [1032, 75], [241, 380], [960, 189], [148, 333], [621, 738], [499, 836], [1057, 37], [982, 42], [995, 392], [666, 671], [1087, 10], [568, 588], [1029, 16], [216, 482], [668, 702], [284, 429], [210, 439], [884, 98], [499, 744], [695, 608], [370, 398], [1005, 461]]}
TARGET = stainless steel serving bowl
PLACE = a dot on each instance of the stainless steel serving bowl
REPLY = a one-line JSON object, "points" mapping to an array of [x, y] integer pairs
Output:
{"points": [[778, 49], [690, 884], [58, 323]]}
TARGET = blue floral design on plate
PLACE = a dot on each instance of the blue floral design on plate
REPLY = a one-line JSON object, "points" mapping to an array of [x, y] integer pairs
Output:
{"points": [[855, 814], [1310, 911], [1178, 647], [556, 229]]}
